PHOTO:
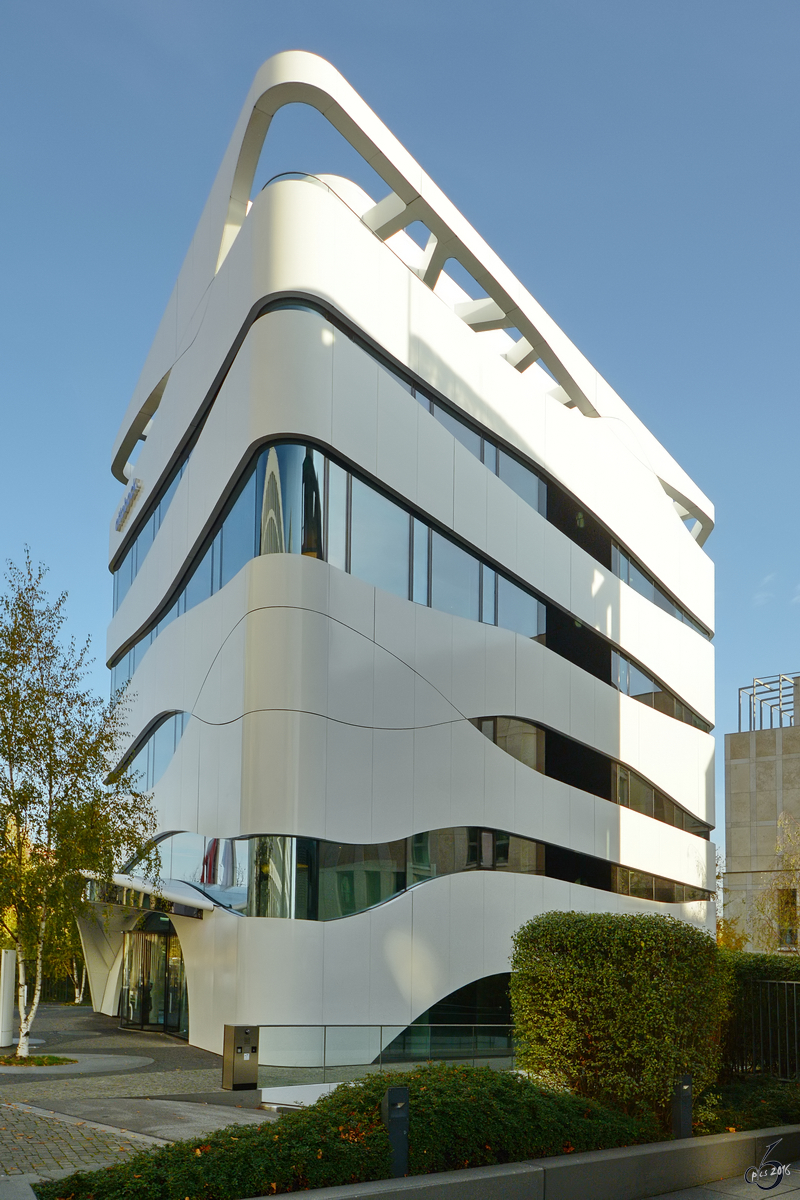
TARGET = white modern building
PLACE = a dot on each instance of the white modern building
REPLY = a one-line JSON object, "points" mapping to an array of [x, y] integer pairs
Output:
{"points": [[415, 612]]}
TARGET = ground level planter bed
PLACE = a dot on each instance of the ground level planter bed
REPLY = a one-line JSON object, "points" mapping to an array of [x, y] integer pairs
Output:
{"points": [[460, 1117], [473, 1132]]}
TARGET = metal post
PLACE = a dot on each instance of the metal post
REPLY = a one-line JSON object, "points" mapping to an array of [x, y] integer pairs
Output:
{"points": [[394, 1114], [682, 1108], [8, 968]]}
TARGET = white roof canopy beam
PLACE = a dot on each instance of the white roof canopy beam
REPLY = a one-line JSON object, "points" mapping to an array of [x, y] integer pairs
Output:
{"points": [[296, 77]]}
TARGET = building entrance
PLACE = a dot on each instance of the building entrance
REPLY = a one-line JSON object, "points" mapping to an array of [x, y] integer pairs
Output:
{"points": [[153, 994]]}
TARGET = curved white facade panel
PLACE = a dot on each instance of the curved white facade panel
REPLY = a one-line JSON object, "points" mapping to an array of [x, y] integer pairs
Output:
{"points": [[430, 622]]}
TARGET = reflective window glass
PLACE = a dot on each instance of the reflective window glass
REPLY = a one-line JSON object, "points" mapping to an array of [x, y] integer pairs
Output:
{"points": [[379, 534], [665, 702], [641, 885], [490, 455], [663, 601], [488, 595], [517, 610], [421, 566], [337, 516], [641, 583], [461, 432], [525, 857], [238, 532], [664, 891], [454, 579], [640, 686], [155, 755], [186, 857], [641, 795], [198, 586], [283, 500], [522, 740], [270, 875], [353, 878], [520, 479]]}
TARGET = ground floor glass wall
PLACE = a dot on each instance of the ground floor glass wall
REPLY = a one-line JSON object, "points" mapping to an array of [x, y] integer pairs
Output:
{"points": [[153, 994]]}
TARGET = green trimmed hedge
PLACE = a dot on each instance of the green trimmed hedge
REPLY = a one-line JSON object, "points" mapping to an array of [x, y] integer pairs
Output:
{"points": [[616, 1007], [459, 1117]]}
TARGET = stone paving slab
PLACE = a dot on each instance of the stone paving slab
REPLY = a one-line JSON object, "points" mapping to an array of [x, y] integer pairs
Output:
{"points": [[49, 1091], [39, 1144], [171, 1120]]}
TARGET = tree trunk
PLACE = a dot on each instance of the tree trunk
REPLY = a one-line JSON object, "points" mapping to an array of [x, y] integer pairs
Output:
{"points": [[26, 1015], [79, 990]]}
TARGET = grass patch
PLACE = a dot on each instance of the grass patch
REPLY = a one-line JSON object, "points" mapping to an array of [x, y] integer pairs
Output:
{"points": [[34, 1060], [749, 1103], [459, 1117]]}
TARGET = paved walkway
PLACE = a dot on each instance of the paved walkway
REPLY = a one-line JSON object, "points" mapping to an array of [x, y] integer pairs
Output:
{"points": [[734, 1187], [38, 1145], [54, 1121]]}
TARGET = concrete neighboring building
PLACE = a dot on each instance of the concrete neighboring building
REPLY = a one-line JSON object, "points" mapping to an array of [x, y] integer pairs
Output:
{"points": [[415, 612], [762, 780]]}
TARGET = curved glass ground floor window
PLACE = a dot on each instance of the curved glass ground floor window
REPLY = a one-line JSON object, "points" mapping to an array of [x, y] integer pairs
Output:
{"points": [[153, 994]]}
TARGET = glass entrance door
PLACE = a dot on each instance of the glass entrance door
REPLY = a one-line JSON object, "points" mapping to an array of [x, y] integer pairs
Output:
{"points": [[153, 994]]}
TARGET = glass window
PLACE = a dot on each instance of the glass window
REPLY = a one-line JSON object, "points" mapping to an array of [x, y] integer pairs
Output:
{"points": [[663, 809], [522, 480], [238, 532], [282, 502], [337, 516], [641, 885], [198, 586], [379, 536], [663, 601], [641, 795], [270, 875], [186, 852], [518, 610], [460, 431], [664, 890], [454, 579], [640, 686], [421, 555], [641, 583], [155, 755], [490, 455], [313, 491], [522, 740], [488, 595], [353, 878], [525, 857], [163, 748]]}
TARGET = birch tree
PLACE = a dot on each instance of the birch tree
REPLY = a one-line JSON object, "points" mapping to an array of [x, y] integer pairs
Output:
{"points": [[64, 809]]}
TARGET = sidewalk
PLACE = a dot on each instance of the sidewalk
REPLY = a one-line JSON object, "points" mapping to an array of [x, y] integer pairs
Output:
{"points": [[128, 1091]]}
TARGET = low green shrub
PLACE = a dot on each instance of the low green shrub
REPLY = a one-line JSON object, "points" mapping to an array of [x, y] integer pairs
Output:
{"points": [[459, 1117], [749, 1103], [616, 1007]]}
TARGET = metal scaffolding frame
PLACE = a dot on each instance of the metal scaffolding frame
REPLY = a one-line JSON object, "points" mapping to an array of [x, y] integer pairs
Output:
{"points": [[773, 697]]}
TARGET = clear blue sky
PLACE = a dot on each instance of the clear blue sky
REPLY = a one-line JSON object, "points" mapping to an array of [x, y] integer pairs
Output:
{"points": [[634, 162]]}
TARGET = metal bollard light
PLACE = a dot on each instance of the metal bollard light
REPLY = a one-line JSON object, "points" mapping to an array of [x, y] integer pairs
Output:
{"points": [[682, 1107], [394, 1114]]}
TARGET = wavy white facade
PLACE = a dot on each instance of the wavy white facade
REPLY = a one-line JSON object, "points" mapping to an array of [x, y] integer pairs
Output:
{"points": [[328, 706]]}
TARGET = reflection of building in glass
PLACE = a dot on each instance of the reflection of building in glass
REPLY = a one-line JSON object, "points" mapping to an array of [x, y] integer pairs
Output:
{"points": [[441, 618], [762, 782]]}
